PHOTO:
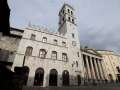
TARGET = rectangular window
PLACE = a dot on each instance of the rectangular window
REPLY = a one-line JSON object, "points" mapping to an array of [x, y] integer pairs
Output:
{"points": [[54, 55], [32, 37], [73, 43], [55, 42], [78, 54], [64, 56], [28, 51], [73, 35], [63, 43], [44, 39]]}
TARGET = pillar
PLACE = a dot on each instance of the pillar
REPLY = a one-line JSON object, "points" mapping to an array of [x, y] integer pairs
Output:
{"points": [[92, 67], [97, 70], [100, 69], [88, 68]]}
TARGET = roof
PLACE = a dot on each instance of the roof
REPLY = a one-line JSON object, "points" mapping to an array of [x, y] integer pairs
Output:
{"points": [[15, 32], [91, 51], [16, 29]]}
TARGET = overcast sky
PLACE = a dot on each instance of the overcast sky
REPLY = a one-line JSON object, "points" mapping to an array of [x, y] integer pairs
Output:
{"points": [[98, 20]]}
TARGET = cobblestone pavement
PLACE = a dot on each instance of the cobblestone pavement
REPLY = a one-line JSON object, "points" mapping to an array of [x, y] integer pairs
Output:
{"points": [[101, 87]]}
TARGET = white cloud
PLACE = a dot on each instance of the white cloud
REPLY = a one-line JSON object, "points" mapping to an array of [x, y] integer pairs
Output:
{"points": [[98, 20]]}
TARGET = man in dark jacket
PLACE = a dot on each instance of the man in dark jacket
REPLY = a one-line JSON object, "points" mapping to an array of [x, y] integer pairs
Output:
{"points": [[4, 17]]}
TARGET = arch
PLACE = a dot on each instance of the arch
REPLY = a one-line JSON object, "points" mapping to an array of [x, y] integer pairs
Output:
{"points": [[65, 78], [79, 80], [71, 12], [68, 10], [39, 76], [53, 76], [69, 19], [73, 21], [29, 50]]}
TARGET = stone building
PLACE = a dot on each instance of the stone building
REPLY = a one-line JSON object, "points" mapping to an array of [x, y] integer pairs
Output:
{"points": [[93, 67], [8, 46], [56, 59], [111, 63], [52, 59]]}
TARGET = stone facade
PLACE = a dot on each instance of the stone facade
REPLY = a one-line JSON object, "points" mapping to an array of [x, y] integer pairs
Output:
{"points": [[93, 67], [55, 58], [111, 63], [8, 46], [66, 46]]}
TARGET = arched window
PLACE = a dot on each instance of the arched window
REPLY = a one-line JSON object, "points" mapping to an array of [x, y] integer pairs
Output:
{"points": [[28, 51], [39, 76], [68, 10], [63, 19], [44, 39], [69, 19], [71, 13], [54, 55], [53, 77], [64, 56], [72, 20], [65, 78], [42, 53]]}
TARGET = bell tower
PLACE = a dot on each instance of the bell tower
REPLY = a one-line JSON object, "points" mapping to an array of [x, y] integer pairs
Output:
{"points": [[66, 16], [68, 28]]}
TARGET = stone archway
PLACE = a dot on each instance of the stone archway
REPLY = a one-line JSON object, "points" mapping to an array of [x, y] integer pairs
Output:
{"points": [[53, 77], [65, 78], [39, 77]]}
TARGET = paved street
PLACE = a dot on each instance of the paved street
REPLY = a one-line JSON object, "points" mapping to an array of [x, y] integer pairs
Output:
{"points": [[107, 87]]}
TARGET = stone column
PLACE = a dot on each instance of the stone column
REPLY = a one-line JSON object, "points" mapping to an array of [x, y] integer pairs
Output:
{"points": [[93, 72], [88, 68], [100, 69], [97, 70]]}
